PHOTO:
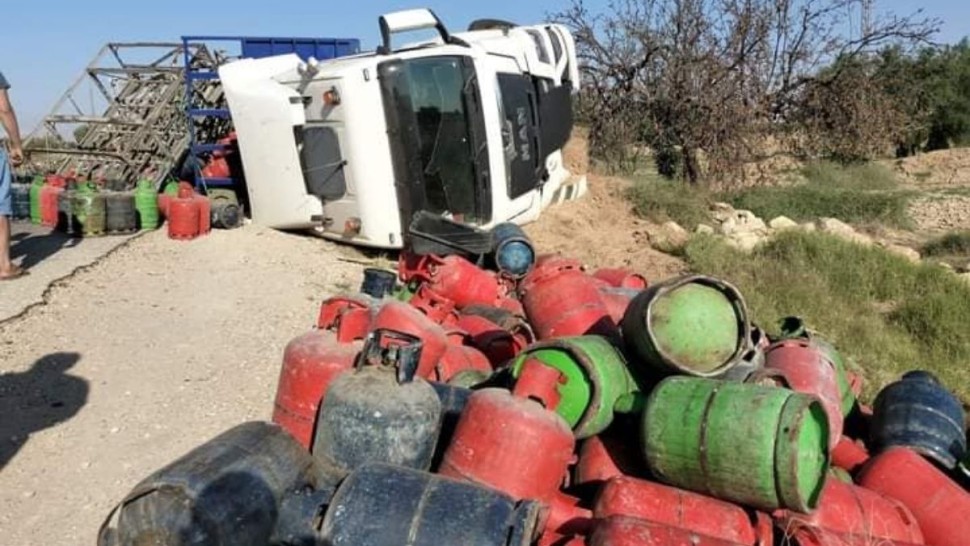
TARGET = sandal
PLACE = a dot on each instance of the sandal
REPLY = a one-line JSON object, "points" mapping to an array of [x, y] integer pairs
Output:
{"points": [[15, 273]]}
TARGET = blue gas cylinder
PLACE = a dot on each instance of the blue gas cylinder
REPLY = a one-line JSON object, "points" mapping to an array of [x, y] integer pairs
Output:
{"points": [[918, 412]]}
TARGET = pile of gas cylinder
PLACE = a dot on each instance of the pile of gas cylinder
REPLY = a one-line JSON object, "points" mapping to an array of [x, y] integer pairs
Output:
{"points": [[92, 208], [509, 400], [191, 214], [85, 208]]}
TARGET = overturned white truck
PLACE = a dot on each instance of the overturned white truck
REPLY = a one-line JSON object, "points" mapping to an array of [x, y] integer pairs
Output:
{"points": [[468, 125]]}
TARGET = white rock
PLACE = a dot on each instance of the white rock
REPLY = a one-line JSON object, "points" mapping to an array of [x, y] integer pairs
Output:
{"points": [[904, 251], [704, 229], [720, 212], [746, 242], [834, 226], [965, 277], [743, 221], [782, 222], [807, 227], [840, 229], [667, 237], [675, 230]]}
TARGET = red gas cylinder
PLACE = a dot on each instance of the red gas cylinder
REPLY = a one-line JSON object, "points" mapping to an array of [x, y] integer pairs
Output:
{"points": [[349, 317], [560, 301], [205, 214], [565, 517], [849, 454], [513, 442], [183, 215], [624, 496], [801, 366], [511, 321], [463, 282], [617, 300], [495, 342], [806, 536], [163, 201], [511, 304], [459, 359], [853, 510], [454, 278], [49, 196], [311, 363], [621, 278], [626, 531], [436, 307], [401, 317], [216, 167], [606, 456], [556, 262], [554, 539], [940, 506]]}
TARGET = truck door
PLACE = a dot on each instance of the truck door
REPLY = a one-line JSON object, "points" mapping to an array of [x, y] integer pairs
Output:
{"points": [[520, 133]]}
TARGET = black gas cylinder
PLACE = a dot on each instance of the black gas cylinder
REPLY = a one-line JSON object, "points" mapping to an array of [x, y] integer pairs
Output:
{"points": [[381, 412], [121, 216], [385, 505], [228, 491]]}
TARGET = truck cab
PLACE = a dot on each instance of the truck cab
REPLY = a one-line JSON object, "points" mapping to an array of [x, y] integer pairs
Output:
{"points": [[469, 126]]}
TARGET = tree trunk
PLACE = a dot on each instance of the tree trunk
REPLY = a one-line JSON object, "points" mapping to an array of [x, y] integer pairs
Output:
{"points": [[692, 171]]}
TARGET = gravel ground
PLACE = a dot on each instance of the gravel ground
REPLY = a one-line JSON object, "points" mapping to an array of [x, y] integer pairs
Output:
{"points": [[140, 358]]}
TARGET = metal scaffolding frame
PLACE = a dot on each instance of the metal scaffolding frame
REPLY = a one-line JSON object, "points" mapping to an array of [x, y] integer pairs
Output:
{"points": [[130, 102]]}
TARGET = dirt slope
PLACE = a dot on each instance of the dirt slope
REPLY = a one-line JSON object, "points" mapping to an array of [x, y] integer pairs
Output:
{"points": [[601, 228]]}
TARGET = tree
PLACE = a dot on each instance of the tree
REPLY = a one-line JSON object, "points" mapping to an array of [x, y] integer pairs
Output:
{"points": [[708, 83]]}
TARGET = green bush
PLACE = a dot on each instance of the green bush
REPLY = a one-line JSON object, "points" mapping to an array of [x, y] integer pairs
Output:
{"points": [[862, 176], [956, 243], [806, 203], [885, 313], [860, 194], [661, 200]]}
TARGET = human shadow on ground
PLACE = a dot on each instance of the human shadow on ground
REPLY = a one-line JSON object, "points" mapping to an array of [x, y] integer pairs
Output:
{"points": [[37, 248], [38, 398]]}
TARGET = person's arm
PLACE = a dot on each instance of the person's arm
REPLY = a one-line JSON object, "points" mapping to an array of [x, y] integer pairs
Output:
{"points": [[8, 118]]}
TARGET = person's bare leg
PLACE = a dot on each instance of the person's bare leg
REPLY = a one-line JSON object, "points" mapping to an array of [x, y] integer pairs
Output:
{"points": [[6, 266]]}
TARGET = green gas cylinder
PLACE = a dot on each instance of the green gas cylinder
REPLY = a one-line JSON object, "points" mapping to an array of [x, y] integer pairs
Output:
{"points": [[765, 447], [35, 187], [596, 381], [89, 209], [146, 203], [171, 188], [693, 325]]}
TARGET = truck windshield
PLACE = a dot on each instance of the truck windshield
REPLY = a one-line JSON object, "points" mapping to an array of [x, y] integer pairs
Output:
{"points": [[432, 105]]}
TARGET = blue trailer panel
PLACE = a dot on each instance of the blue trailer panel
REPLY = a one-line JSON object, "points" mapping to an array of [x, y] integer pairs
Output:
{"points": [[320, 48]]}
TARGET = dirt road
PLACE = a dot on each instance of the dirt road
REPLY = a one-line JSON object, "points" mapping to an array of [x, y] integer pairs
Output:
{"points": [[137, 360]]}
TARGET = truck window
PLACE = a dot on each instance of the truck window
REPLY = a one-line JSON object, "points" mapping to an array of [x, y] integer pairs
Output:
{"points": [[437, 127], [556, 45], [322, 162], [540, 46]]}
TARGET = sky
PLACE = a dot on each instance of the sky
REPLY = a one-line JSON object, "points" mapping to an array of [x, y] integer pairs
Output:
{"points": [[45, 44]]}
